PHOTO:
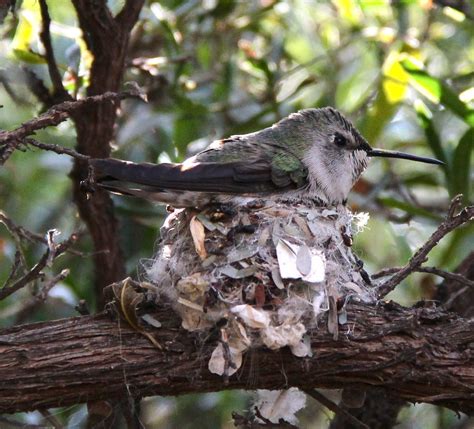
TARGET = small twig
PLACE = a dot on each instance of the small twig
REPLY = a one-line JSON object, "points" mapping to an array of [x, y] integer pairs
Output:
{"points": [[385, 272], [52, 252], [30, 276], [267, 423], [451, 222], [430, 270], [19, 231], [336, 409], [10, 140], [56, 148], [446, 275], [29, 307], [45, 35], [454, 296], [16, 265]]}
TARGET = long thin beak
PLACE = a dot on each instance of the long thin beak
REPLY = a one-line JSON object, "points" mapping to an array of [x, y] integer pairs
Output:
{"points": [[401, 155]]}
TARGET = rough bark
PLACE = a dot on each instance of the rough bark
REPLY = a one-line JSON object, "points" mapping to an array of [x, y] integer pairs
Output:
{"points": [[413, 354]]}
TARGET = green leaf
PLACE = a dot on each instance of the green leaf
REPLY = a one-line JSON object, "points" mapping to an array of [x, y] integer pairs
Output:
{"points": [[408, 208], [436, 91], [461, 165], [26, 34], [393, 87], [425, 117]]}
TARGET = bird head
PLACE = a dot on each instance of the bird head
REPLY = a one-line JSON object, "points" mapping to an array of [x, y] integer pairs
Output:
{"points": [[337, 154]]}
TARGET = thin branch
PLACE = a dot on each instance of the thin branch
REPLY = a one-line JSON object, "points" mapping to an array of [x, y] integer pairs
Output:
{"points": [[45, 36], [430, 270], [29, 307], [30, 276], [128, 16], [61, 150], [451, 222], [446, 275], [384, 272], [10, 140], [356, 423], [19, 231], [52, 252]]}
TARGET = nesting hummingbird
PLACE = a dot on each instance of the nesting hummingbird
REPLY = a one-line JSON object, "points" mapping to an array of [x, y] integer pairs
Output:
{"points": [[312, 154]]}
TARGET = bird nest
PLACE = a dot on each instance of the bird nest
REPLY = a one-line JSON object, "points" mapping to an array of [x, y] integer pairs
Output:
{"points": [[266, 272]]}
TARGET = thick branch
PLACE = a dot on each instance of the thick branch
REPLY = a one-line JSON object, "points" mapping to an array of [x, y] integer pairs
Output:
{"points": [[405, 351], [107, 39]]}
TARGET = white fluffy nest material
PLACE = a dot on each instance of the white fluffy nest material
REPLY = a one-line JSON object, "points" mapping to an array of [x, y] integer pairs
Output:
{"points": [[270, 269]]}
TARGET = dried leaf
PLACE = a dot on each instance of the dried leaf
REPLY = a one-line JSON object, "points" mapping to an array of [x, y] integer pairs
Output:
{"points": [[303, 226], [276, 337], [303, 348], [129, 299], [218, 365], [148, 318], [354, 287], [286, 254], [239, 339], [240, 253], [190, 304], [264, 236], [318, 300], [252, 317], [318, 267], [210, 226], [193, 286], [198, 234], [277, 278], [280, 404], [303, 260], [234, 273]]}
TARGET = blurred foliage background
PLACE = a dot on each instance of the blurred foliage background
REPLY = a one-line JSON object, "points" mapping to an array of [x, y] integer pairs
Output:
{"points": [[402, 71]]}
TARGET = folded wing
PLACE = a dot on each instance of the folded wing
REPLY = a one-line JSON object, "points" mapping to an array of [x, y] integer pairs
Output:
{"points": [[152, 181]]}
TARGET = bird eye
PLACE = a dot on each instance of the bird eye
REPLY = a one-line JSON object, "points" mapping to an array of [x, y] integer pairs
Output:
{"points": [[339, 140]]}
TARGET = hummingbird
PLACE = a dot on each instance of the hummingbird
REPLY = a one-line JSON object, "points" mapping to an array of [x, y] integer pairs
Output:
{"points": [[313, 154]]}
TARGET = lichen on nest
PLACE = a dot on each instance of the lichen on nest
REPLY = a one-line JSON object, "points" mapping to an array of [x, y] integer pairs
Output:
{"points": [[269, 269]]}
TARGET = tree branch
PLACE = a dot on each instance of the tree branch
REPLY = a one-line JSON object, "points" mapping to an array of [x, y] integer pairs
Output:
{"points": [[10, 140], [344, 414], [59, 93], [451, 222], [52, 252], [404, 351]]}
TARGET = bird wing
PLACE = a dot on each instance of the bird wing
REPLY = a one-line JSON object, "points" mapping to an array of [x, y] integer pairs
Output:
{"points": [[240, 177]]}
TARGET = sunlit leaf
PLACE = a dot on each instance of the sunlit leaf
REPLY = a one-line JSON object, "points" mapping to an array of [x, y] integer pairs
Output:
{"points": [[393, 87], [349, 11], [461, 165], [26, 34], [436, 91]]}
